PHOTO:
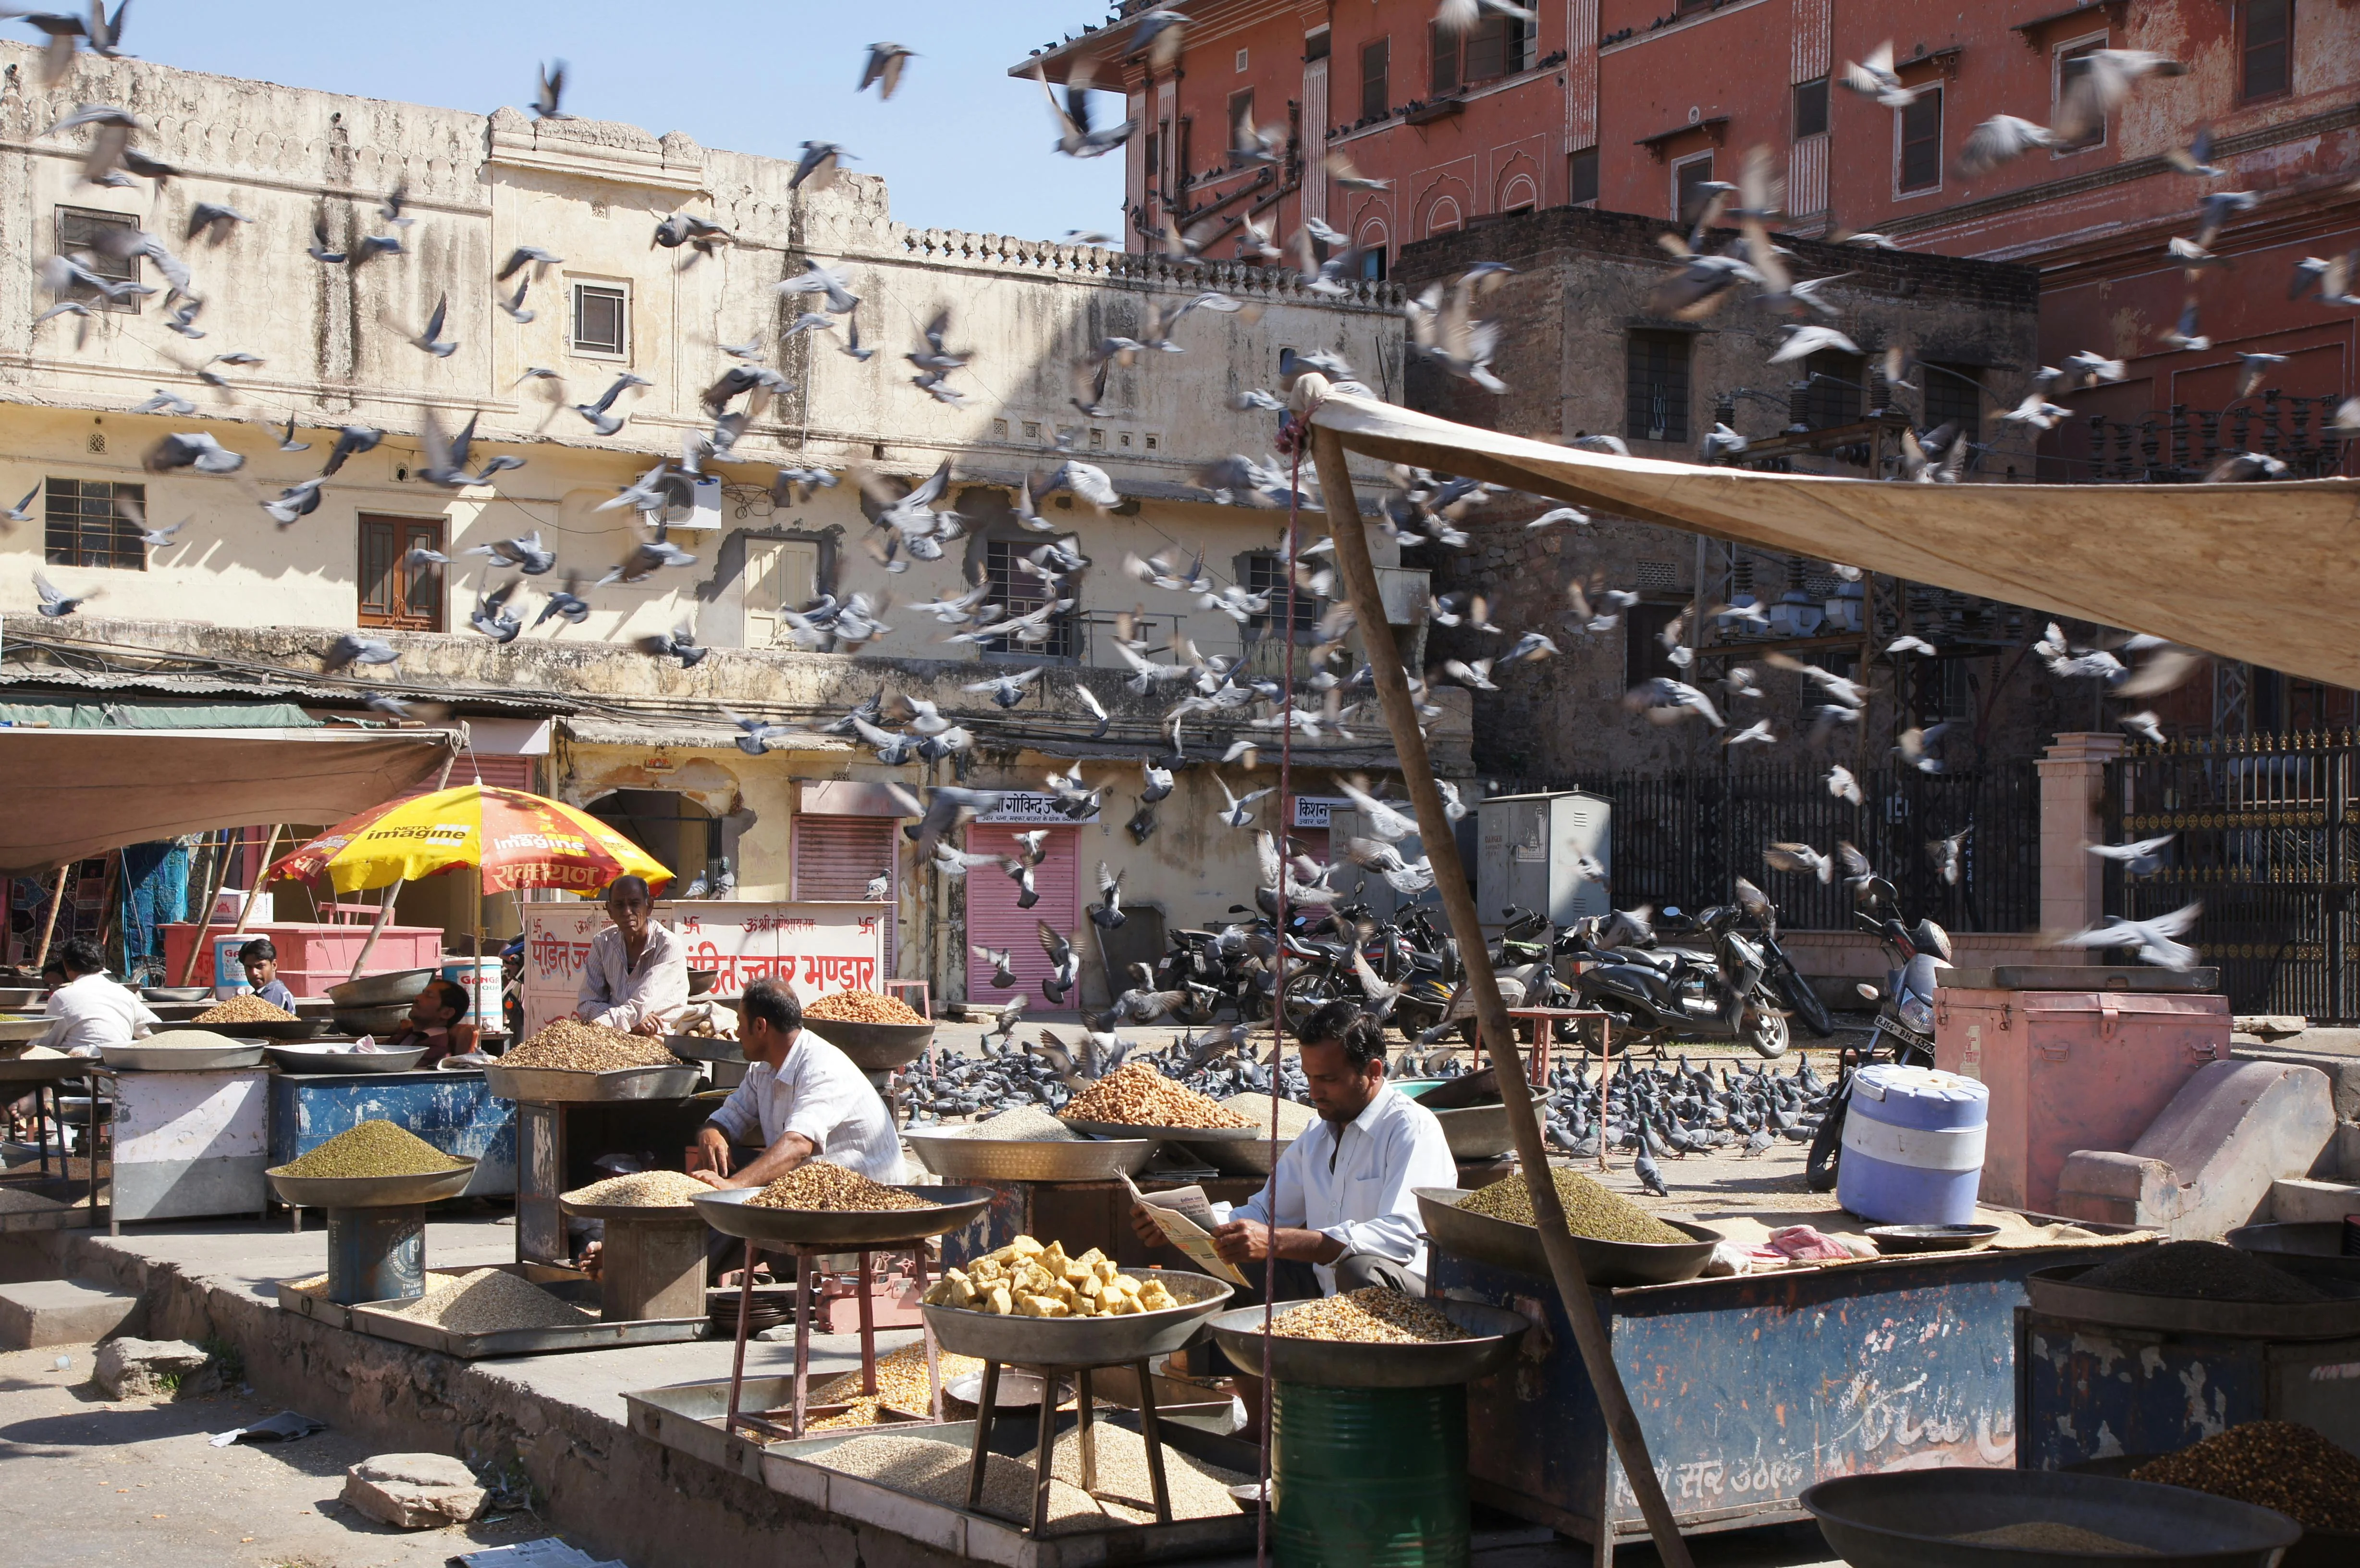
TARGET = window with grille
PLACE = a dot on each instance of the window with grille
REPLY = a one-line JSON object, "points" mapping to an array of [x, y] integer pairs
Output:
{"points": [[1920, 151], [82, 524], [1581, 176], [1442, 47], [80, 234], [1836, 380], [2267, 48], [1264, 575], [1018, 593], [1495, 47], [1376, 78], [1657, 386], [1811, 108], [1953, 395], [395, 590], [601, 320]]}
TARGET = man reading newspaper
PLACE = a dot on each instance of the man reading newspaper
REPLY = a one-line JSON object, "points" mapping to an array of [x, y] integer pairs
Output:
{"points": [[1338, 1211]]}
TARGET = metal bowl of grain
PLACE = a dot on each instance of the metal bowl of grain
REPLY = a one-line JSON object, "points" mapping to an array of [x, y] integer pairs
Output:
{"points": [[1493, 1334], [370, 1192], [874, 1048], [1479, 1237], [942, 1209], [258, 1029], [1083, 1342], [2038, 1518]]}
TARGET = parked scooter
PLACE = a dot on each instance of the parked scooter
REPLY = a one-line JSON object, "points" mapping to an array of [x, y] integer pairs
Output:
{"points": [[1904, 1017], [1660, 995]]}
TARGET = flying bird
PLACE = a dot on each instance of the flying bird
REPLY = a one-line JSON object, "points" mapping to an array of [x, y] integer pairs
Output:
{"points": [[883, 69], [2152, 938]]}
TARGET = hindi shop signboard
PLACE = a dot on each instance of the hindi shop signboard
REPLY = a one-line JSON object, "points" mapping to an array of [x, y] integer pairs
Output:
{"points": [[816, 948]]}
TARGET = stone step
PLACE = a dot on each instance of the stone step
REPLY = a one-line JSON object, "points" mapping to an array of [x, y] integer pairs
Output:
{"points": [[63, 1312], [2295, 1200]]}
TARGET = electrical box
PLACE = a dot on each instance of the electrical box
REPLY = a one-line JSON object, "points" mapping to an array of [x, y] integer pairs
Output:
{"points": [[1551, 854]]}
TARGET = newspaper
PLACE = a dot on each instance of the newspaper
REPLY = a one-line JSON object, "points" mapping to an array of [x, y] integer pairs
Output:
{"points": [[1185, 1217]]}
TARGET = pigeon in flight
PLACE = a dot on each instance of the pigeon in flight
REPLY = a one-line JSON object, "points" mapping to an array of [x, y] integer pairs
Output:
{"points": [[56, 605], [351, 648], [549, 91], [883, 69], [2153, 939]]}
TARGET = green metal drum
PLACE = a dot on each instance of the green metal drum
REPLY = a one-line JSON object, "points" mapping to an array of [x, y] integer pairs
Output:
{"points": [[1369, 1477]]}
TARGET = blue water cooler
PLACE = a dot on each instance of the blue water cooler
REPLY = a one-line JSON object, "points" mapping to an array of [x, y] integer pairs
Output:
{"points": [[1912, 1146]]}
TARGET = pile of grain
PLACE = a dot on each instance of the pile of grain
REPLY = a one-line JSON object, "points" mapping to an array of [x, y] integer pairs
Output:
{"points": [[315, 1285], [1373, 1316], [2044, 1535], [1294, 1120], [244, 1009], [938, 1471], [1026, 1124], [861, 1007], [1590, 1210], [569, 1045], [372, 1148], [901, 1386], [1138, 1095], [489, 1302], [647, 1189], [2201, 1271], [2272, 1465], [818, 1187]]}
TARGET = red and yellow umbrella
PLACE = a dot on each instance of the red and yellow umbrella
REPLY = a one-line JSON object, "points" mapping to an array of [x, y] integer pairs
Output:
{"points": [[519, 839]]}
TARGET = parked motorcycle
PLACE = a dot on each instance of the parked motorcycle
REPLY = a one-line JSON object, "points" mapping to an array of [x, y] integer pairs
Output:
{"points": [[1904, 1017], [1787, 981], [1658, 995]]}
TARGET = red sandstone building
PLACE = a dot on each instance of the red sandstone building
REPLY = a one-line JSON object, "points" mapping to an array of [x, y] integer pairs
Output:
{"points": [[1625, 104]]}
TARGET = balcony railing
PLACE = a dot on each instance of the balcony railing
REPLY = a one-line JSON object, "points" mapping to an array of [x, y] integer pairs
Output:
{"points": [[2180, 445]]}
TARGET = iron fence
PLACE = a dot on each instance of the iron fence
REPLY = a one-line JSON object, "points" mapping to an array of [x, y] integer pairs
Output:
{"points": [[2262, 835], [1680, 839]]}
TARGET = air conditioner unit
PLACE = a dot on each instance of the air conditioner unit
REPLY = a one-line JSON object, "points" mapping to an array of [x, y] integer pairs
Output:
{"points": [[699, 507]]}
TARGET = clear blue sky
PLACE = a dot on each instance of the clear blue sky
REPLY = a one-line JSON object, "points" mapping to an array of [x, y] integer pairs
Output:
{"points": [[961, 146]]}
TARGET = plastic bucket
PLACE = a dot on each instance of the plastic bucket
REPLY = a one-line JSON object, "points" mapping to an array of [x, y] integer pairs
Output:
{"points": [[1912, 1146], [1369, 1477], [483, 995]]}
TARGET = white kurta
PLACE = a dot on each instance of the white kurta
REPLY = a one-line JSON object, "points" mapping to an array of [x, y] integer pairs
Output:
{"points": [[93, 1011], [818, 1093], [1356, 1182]]}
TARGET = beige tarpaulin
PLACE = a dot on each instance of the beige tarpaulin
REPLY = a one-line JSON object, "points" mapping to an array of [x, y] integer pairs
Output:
{"points": [[2267, 573], [71, 793]]}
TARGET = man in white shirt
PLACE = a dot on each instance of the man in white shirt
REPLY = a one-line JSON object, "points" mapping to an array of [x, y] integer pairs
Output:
{"points": [[801, 1099], [91, 1009], [637, 975], [1338, 1210]]}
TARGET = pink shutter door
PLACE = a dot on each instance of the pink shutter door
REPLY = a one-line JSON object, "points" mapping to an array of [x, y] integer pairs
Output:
{"points": [[836, 857], [994, 919]]}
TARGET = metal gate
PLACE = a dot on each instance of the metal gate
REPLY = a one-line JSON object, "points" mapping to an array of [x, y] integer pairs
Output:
{"points": [[2263, 836]]}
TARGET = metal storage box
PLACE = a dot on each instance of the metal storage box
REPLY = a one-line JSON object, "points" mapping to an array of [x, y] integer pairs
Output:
{"points": [[2070, 1070], [1531, 850]]}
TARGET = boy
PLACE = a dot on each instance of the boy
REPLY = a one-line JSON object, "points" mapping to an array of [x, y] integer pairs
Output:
{"points": [[433, 1022], [260, 960]]}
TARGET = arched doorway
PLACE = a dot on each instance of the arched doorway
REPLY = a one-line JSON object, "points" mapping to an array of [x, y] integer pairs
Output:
{"points": [[670, 826]]}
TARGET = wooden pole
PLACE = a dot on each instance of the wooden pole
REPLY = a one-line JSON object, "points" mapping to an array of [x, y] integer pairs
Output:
{"points": [[245, 909], [50, 925], [376, 927], [223, 851], [1435, 834]]}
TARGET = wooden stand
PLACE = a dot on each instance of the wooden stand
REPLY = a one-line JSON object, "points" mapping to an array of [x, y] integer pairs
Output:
{"points": [[652, 1268], [763, 1426], [987, 1409]]}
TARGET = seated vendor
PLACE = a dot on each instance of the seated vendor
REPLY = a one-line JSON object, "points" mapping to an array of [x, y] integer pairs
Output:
{"points": [[1338, 1210], [91, 1009], [435, 1021], [801, 1099], [636, 977], [259, 958]]}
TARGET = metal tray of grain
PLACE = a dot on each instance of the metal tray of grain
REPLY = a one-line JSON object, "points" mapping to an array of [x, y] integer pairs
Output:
{"points": [[2053, 1292], [1494, 1333], [320, 1059], [230, 1055], [263, 1028], [875, 1048], [2316, 1549], [382, 1320], [1083, 1342], [569, 1284], [23, 1030], [956, 1157], [1511, 1245], [1913, 1519], [847, 1230], [549, 1085], [381, 990], [370, 1192]]}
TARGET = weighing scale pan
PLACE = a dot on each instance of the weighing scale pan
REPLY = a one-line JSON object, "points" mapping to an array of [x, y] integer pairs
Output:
{"points": [[852, 1230], [24, 1030], [1893, 1239], [1083, 1342], [705, 1048], [1518, 1247], [1477, 1132], [381, 990], [2054, 1293], [230, 1053], [875, 1048], [954, 1155], [554, 1084], [684, 1214], [1164, 1133], [1334, 1364], [319, 1059], [1911, 1519], [370, 1192]]}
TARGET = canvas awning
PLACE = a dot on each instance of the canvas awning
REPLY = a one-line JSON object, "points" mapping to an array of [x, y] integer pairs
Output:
{"points": [[73, 793], [2267, 573]]}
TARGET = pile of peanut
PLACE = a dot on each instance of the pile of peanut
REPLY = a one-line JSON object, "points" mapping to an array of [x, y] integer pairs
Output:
{"points": [[861, 1007], [1027, 1279], [1138, 1095]]}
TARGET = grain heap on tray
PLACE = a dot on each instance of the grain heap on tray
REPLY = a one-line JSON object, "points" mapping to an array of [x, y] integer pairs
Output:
{"points": [[647, 1189], [1138, 1095], [2201, 1271], [2271, 1465], [372, 1148], [1027, 1279], [901, 1386], [1026, 1124], [490, 1302], [1294, 1118], [569, 1045], [1373, 1316], [818, 1187], [2048, 1535], [244, 1009], [1590, 1210], [860, 1007]]}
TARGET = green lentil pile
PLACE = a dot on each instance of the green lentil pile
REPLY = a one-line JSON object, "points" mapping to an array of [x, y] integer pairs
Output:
{"points": [[1590, 1210], [372, 1148], [2202, 1272], [2272, 1465]]}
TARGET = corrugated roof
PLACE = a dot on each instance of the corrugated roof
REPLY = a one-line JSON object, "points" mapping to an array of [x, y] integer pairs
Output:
{"points": [[678, 736], [40, 677]]}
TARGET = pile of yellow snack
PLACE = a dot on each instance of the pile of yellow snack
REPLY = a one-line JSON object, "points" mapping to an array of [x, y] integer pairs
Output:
{"points": [[1027, 1279]]}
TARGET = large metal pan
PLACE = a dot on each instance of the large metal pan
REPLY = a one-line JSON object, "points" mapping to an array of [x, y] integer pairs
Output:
{"points": [[558, 1085], [705, 1048], [1518, 1247], [2055, 1292], [1912, 1518], [230, 1055], [381, 990], [1332, 1364], [23, 1030], [267, 1029], [1083, 1342], [875, 1048], [1164, 1134], [954, 1157], [371, 1020], [853, 1230], [370, 1192], [1477, 1132], [1241, 1155], [319, 1059]]}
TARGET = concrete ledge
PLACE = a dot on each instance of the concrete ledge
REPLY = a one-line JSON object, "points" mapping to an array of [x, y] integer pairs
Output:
{"points": [[2296, 1200], [63, 1312]]}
